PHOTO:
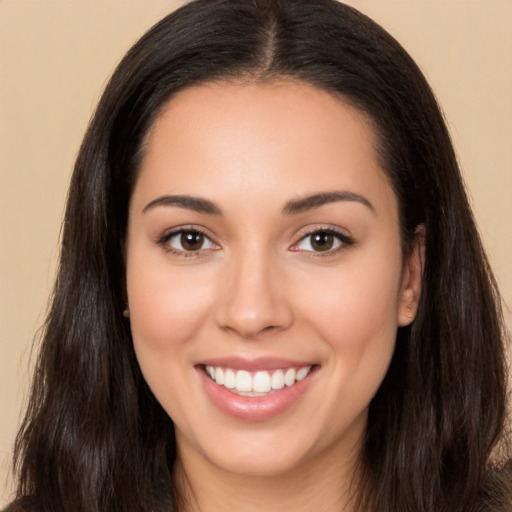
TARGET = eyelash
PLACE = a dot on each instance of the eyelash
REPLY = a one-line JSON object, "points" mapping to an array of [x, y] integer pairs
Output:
{"points": [[183, 253], [343, 239]]}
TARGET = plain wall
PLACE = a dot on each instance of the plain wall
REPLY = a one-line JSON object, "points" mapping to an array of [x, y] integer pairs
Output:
{"points": [[55, 57]]}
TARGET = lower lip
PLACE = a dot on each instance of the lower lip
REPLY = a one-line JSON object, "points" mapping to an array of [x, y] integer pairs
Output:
{"points": [[258, 408]]}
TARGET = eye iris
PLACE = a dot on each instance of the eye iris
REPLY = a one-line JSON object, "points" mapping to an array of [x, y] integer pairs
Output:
{"points": [[322, 241], [192, 240]]}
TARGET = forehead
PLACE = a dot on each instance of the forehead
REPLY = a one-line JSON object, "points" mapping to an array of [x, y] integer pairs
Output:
{"points": [[287, 137]]}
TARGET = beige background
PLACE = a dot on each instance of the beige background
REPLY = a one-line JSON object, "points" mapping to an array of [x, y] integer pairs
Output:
{"points": [[55, 57]]}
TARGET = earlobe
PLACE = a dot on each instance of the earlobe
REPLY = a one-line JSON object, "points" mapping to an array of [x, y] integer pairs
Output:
{"points": [[410, 290]]}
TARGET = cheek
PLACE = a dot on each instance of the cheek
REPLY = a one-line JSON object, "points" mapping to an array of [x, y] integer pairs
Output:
{"points": [[357, 302], [167, 305], [355, 312]]}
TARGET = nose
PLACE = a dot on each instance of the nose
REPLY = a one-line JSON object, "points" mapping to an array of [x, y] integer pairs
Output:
{"points": [[254, 297]]}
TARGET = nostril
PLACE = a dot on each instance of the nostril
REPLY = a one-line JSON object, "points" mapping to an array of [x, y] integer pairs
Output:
{"points": [[251, 305]]}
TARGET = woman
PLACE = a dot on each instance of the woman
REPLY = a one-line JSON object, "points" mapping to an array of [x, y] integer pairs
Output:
{"points": [[272, 294]]}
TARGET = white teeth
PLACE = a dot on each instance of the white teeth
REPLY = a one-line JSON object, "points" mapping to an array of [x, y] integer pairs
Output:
{"points": [[229, 379], [303, 372], [278, 380], [219, 376], [258, 384], [289, 377], [261, 382], [243, 381]]}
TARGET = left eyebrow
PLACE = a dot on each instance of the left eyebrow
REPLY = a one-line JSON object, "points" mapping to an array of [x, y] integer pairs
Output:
{"points": [[317, 200]]}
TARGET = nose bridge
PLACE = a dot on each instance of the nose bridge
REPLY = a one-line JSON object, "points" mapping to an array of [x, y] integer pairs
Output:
{"points": [[254, 299]]}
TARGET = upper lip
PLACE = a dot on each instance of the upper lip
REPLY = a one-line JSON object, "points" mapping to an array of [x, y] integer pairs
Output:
{"points": [[254, 364]]}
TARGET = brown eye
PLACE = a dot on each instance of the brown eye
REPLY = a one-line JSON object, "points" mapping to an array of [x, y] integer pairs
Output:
{"points": [[192, 240], [187, 241], [322, 241]]}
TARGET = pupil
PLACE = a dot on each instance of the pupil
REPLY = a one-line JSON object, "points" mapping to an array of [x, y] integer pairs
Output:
{"points": [[322, 241], [191, 241]]}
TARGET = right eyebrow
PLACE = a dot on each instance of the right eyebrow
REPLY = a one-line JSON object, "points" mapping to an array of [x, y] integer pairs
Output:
{"points": [[197, 204]]}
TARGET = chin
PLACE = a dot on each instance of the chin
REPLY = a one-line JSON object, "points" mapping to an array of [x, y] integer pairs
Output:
{"points": [[277, 450]]}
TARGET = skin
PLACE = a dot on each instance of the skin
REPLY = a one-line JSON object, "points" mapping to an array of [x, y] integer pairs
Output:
{"points": [[256, 288]]}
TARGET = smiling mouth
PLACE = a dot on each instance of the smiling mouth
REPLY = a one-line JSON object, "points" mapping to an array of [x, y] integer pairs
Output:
{"points": [[259, 383]]}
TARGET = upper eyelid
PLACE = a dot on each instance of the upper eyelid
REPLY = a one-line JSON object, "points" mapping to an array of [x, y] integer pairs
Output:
{"points": [[309, 230], [169, 233]]}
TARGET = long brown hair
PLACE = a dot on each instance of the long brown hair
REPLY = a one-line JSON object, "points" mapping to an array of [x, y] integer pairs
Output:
{"points": [[95, 439]]}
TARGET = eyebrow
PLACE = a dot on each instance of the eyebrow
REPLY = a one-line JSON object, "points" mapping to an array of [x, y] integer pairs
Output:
{"points": [[201, 205], [196, 204], [317, 200]]}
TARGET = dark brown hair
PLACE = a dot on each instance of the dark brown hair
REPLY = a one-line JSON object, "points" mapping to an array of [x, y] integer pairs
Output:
{"points": [[95, 439]]}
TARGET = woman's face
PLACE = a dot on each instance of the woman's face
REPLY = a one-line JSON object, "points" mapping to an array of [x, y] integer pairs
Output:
{"points": [[265, 275]]}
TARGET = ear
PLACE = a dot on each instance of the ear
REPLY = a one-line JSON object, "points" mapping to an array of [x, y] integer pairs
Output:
{"points": [[410, 289]]}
